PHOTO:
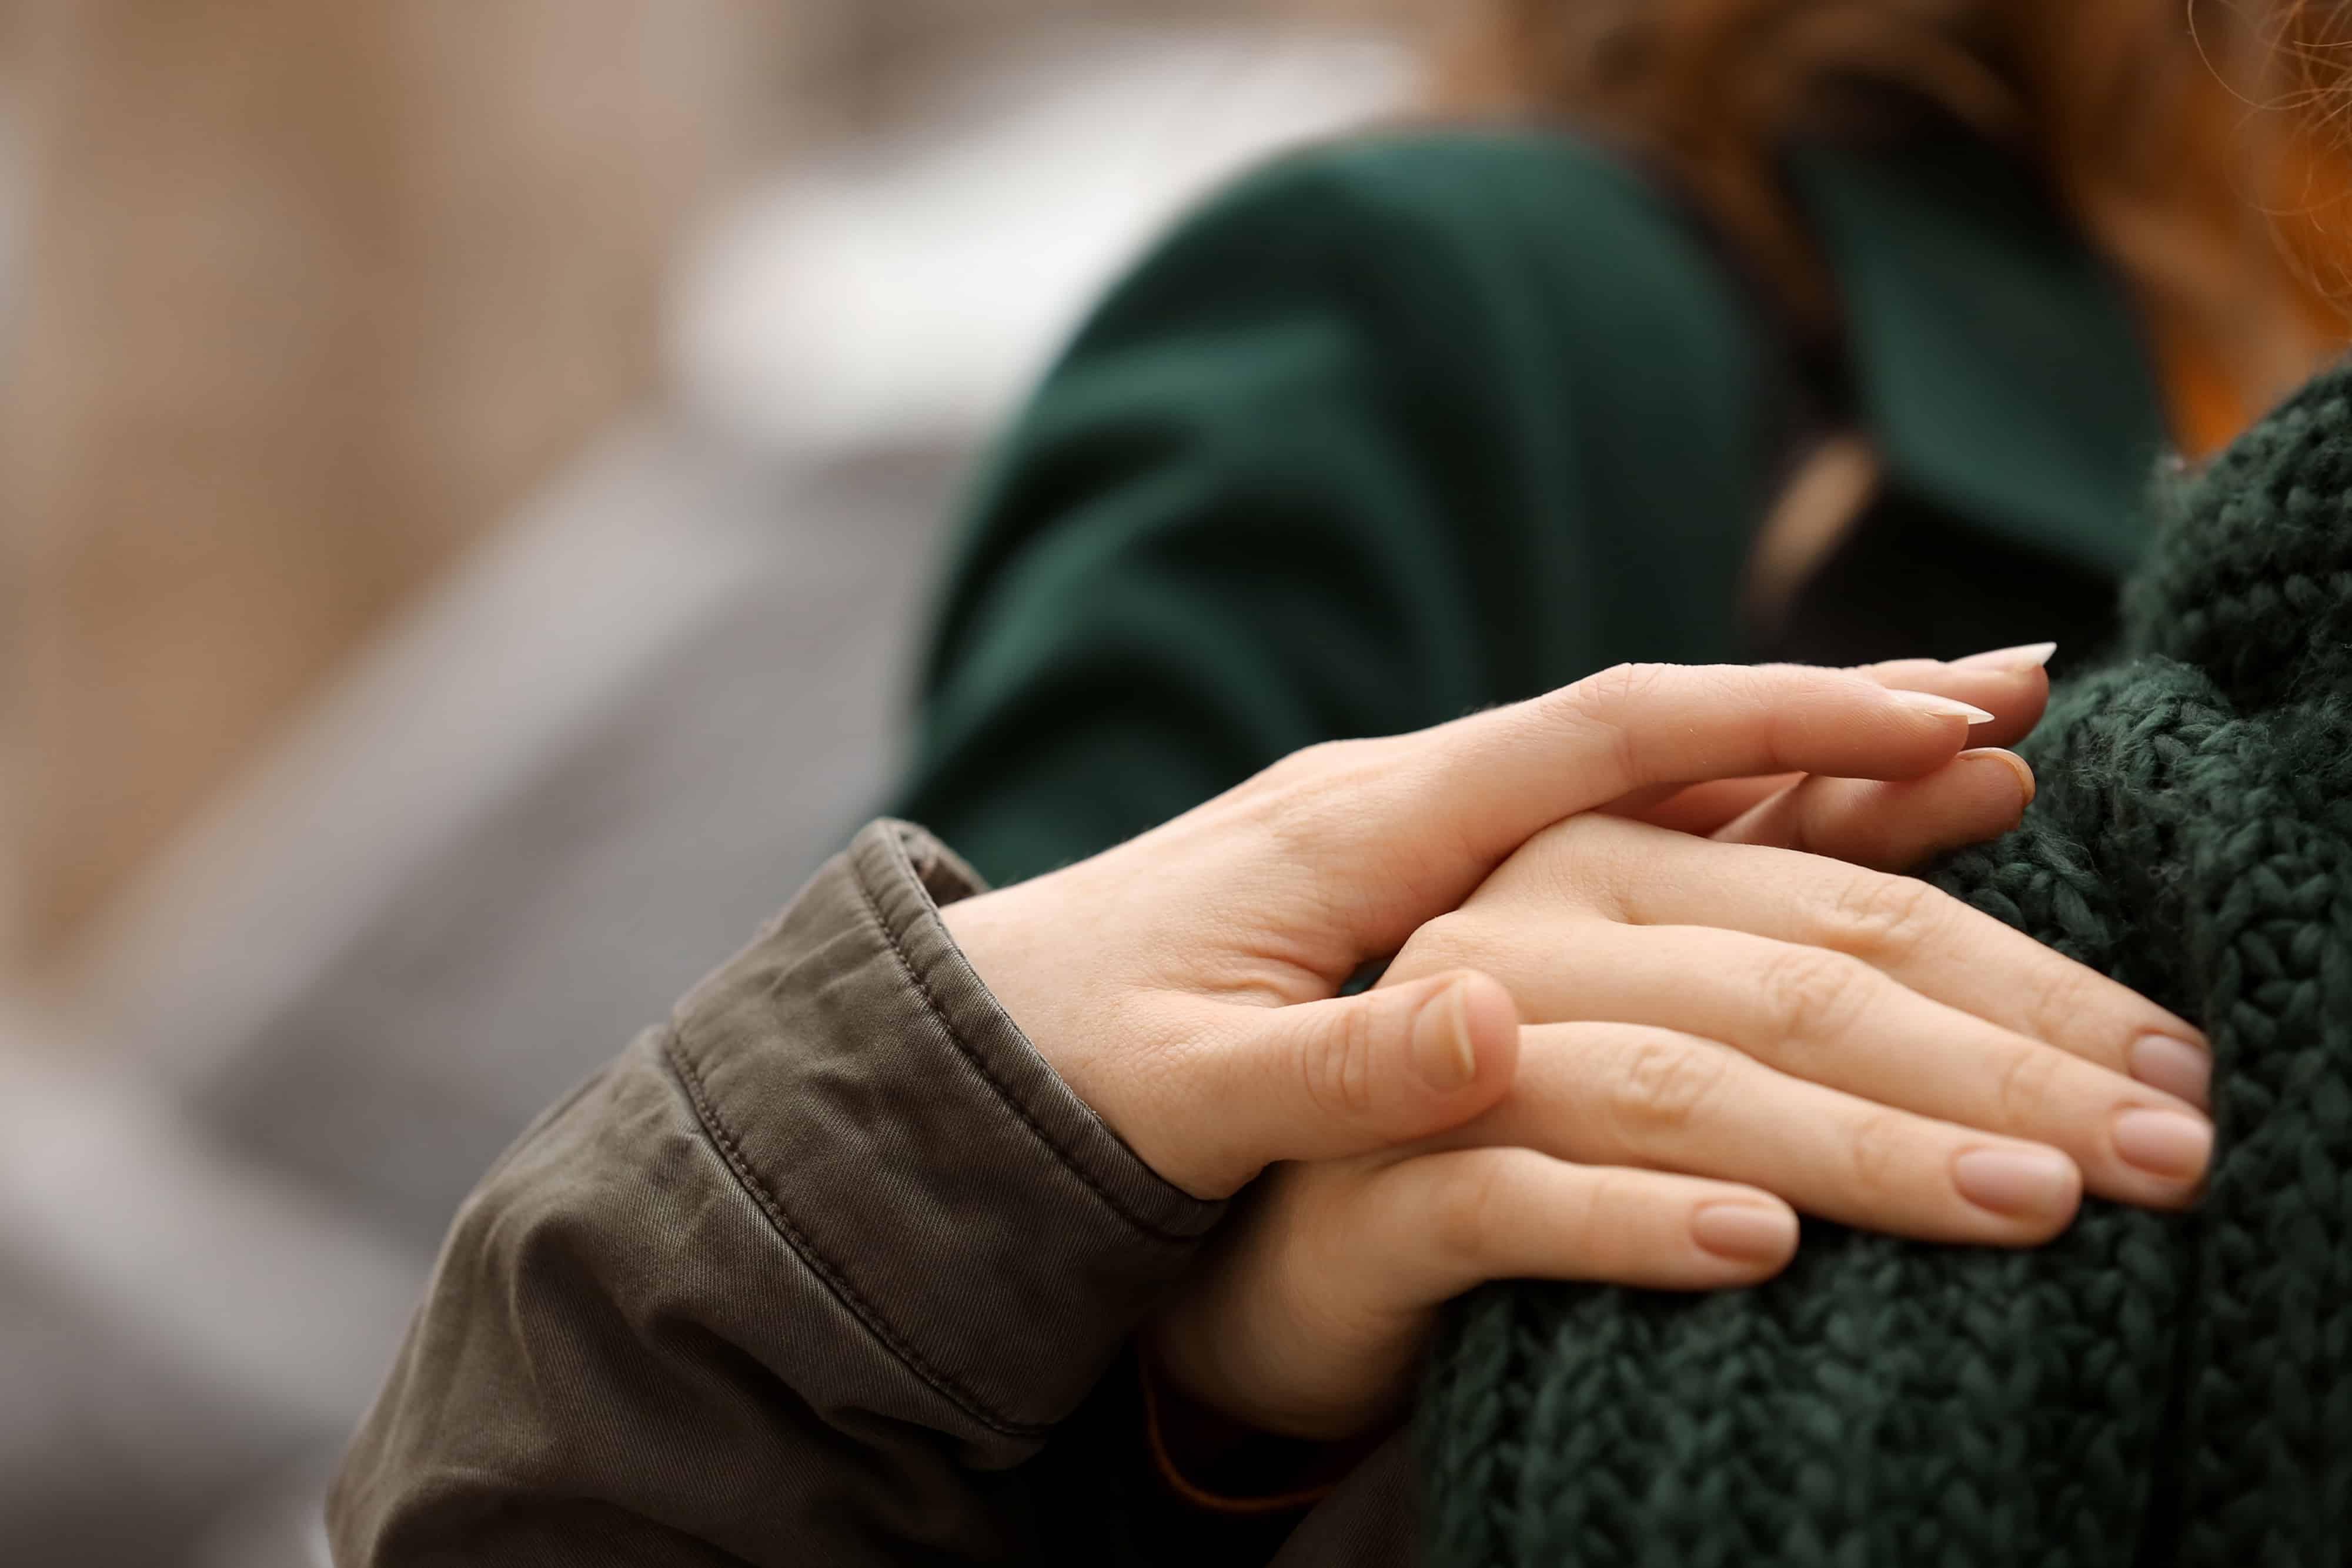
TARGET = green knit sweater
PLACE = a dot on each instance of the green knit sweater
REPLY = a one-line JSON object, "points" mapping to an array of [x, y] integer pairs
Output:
{"points": [[2150, 1389]]}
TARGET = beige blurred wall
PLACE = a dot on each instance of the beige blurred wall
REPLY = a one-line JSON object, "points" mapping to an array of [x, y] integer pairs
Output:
{"points": [[309, 296]]}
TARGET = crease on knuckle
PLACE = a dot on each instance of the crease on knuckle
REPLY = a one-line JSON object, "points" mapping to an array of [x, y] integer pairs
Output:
{"points": [[2028, 1082], [1813, 994], [1309, 801], [1592, 1224], [1876, 1149], [1339, 1066], [1572, 865], [1886, 916], [1661, 1086], [1608, 693], [2057, 1001], [1448, 941], [1470, 1210], [1583, 864], [1316, 816], [1305, 765], [1608, 701]]}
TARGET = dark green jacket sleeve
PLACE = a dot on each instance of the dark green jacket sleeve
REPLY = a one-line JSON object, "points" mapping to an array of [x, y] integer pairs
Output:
{"points": [[1393, 431], [804, 1277]]}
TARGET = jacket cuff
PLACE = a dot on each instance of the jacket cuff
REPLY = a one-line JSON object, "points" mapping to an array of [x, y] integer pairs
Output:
{"points": [[901, 1135]]}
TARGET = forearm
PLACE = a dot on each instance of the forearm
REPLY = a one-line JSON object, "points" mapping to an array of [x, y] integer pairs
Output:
{"points": [[799, 1278]]}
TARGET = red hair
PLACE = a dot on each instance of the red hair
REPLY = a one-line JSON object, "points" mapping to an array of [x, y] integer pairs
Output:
{"points": [[2179, 132]]}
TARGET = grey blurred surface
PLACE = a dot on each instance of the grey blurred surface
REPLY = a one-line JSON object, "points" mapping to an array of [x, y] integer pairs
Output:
{"points": [[110, 1452], [526, 950], [549, 921], [557, 795]]}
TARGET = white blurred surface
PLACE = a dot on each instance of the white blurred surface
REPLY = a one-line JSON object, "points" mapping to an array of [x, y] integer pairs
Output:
{"points": [[904, 293]]}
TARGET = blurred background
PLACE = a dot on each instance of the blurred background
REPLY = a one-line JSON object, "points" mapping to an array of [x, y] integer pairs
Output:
{"points": [[470, 472]]}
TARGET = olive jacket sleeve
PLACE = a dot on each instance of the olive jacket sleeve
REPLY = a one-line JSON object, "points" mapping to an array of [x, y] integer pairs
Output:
{"points": [[812, 1273]]}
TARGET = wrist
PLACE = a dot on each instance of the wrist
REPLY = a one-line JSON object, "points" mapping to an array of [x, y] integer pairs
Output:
{"points": [[1088, 1032], [1217, 1461]]}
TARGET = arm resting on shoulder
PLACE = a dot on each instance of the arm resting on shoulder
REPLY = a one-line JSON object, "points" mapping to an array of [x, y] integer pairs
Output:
{"points": [[803, 1276]]}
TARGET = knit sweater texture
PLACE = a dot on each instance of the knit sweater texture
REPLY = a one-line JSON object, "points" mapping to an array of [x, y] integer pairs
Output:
{"points": [[2150, 1389]]}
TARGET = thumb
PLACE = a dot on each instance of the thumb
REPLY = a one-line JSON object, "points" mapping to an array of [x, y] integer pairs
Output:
{"points": [[1326, 1080]]}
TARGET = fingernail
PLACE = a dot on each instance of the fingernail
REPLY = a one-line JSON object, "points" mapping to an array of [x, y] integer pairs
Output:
{"points": [[1441, 1039], [2010, 760], [2169, 1144], [2174, 1066], [1745, 1232], [1941, 707], [2027, 656], [2024, 1183]]}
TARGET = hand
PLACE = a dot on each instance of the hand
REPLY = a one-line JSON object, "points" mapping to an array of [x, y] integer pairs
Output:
{"points": [[1836, 1037], [1183, 983]]}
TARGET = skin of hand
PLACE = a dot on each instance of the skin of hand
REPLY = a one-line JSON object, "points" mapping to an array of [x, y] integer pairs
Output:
{"points": [[1185, 986], [1722, 1007]]}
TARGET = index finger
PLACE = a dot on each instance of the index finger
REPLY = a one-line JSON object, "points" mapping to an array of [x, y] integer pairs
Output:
{"points": [[1494, 779], [2013, 686]]}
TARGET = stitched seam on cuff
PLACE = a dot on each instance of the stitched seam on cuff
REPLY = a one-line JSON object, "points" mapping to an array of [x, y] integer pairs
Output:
{"points": [[715, 1127], [1069, 1161]]}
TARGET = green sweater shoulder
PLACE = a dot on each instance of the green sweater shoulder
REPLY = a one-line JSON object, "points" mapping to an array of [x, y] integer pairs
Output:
{"points": [[1389, 431]]}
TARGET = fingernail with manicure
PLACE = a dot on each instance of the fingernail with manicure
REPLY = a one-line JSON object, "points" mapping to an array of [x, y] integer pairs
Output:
{"points": [[2025, 1183], [2008, 759], [1441, 1039], [2169, 1144], [2028, 656], [2174, 1066], [1745, 1232], [1942, 707]]}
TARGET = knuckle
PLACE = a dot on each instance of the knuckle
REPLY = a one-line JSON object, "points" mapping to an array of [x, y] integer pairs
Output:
{"points": [[1306, 762], [1660, 1087], [1886, 916], [1471, 1210], [1587, 1218], [1333, 753], [1449, 941], [1585, 862], [1611, 702], [1300, 778], [1337, 1065], [1812, 993], [1574, 864], [1572, 838], [2059, 1000], [1612, 692], [1876, 1147], [2027, 1082], [1308, 807]]}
